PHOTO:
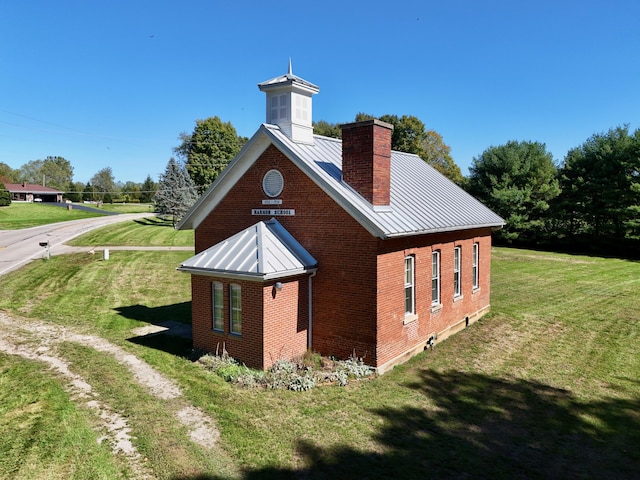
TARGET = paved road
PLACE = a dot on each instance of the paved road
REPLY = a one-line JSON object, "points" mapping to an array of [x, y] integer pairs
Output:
{"points": [[18, 247], [83, 206]]}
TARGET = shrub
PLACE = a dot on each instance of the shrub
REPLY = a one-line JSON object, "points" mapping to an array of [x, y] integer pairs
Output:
{"points": [[354, 367], [5, 196], [284, 374]]}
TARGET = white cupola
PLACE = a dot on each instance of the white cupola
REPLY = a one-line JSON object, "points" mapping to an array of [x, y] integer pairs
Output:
{"points": [[289, 105]]}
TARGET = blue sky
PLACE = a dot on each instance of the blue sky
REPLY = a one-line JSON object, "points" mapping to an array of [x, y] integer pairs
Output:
{"points": [[113, 83]]}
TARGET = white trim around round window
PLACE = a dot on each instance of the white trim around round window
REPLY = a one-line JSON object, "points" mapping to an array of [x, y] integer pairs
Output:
{"points": [[272, 183]]}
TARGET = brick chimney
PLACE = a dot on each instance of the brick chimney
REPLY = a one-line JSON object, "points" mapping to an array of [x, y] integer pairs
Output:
{"points": [[366, 159]]}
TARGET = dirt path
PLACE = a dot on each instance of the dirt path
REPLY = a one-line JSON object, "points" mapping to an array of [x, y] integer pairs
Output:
{"points": [[38, 341]]}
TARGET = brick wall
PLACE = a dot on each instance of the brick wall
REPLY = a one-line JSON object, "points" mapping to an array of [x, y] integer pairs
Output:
{"points": [[285, 320], [249, 345], [397, 337], [345, 284]]}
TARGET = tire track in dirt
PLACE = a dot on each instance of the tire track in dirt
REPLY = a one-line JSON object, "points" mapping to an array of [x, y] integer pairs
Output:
{"points": [[35, 340]]}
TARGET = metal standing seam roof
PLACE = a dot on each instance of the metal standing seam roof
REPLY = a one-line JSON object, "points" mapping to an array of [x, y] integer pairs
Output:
{"points": [[422, 199], [263, 251], [30, 188]]}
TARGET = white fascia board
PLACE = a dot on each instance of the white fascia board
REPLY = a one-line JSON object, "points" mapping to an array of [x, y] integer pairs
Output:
{"points": [[289, 273], [225, 181], [208, 272], [253, 277]]}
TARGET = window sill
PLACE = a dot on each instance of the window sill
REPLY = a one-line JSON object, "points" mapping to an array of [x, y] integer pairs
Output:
{"points": [[219, 331], [435, 308], [458, 298], [475, 290], [411, 317]]}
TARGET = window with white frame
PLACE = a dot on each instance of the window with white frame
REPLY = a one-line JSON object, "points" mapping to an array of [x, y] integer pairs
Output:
{"points": [[409, 286], [457, 288], [218, 306], [236, 308], [474, 265], [435, 278]]}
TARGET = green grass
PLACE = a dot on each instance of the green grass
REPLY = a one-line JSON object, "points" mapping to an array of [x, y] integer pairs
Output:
{"points": [[152, 231], [546, 386], [43, 434], [112, 296], [25, 215], [127, 207]]}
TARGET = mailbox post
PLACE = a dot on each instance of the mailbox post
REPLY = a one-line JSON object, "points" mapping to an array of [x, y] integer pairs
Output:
{"points": [[46, 246]]}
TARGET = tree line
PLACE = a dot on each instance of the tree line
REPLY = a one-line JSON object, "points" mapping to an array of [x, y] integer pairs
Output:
{"points": [[57, 172], [590, 200]]}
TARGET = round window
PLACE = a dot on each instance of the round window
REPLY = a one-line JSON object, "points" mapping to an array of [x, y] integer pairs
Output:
{"points": [[273, 183]]}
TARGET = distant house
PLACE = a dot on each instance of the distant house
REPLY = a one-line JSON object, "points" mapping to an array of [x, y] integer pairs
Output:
{"points": [[29, 192], [343, 247]]}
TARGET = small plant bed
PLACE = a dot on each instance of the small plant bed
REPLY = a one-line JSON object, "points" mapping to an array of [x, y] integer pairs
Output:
{"points": [[309, 371]]}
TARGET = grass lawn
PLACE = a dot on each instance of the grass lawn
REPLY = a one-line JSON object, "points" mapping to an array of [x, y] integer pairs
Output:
{"points": [[40, 422], [152, 231], [546, 386], [127, 207], [25, 215]]}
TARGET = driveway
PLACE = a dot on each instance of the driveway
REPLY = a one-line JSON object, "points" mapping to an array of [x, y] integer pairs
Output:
{"points": [[82, 206], [18, 247]]}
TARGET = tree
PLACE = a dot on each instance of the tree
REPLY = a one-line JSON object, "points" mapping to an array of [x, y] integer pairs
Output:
{"points": [[7, 174], [408, 133], [517, 180], [130, 192], [208, 150], [148, 190], [31, 172], [56, 172], [104, 182], [5, 196], [89, 193], [176, 192], [73, 194], [327, 129], [438, 154], [600, 183]]}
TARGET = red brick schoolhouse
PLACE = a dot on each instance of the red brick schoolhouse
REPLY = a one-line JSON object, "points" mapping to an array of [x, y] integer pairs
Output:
{"points": [[342, 247]]}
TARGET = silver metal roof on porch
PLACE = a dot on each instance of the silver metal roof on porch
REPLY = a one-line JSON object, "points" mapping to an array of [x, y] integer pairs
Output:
{"points": [[264, 251]]}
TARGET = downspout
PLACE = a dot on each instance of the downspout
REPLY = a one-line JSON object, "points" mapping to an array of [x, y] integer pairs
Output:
{"points": [[309, 334]]}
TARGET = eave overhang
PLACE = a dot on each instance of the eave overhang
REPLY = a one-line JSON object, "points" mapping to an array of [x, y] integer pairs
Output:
{"points": [[252, 277]]}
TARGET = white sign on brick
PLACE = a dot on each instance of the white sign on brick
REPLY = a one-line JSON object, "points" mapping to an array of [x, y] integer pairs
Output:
{"points": [[274, 212]]}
